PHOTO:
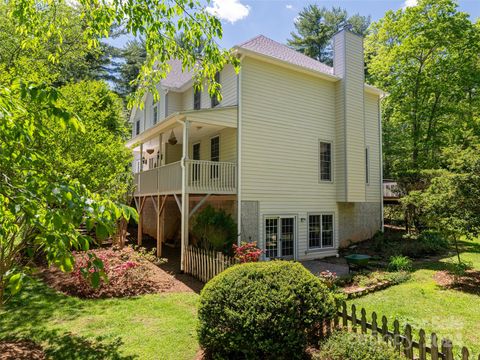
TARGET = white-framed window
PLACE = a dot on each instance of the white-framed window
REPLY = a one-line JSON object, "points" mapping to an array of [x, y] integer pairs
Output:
{"points": [[214, 98], [325, 161], [137, 127], [320, 231], [214, 156], [197, 99], [367, 165], [154, 113]]}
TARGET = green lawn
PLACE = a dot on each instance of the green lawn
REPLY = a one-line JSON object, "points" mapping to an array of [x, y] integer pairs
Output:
{"points": [[146, 327], [423, 304]]}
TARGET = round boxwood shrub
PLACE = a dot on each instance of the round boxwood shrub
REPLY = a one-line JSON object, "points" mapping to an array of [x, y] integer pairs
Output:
{"points": [[266, 310], [349, 346]]}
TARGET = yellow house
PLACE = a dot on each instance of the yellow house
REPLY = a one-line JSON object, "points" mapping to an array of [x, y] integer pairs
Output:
{"points": [[292, 151]]}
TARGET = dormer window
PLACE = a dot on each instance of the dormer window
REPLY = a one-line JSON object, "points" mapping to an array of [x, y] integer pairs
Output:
{"points": [[197, 97], [214, 98]]}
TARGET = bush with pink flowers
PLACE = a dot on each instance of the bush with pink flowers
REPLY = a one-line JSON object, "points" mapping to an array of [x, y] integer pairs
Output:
{"points": [[247, 252]]}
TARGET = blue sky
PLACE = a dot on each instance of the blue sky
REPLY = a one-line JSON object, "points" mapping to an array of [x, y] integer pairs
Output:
{"points": [[244, 19]]}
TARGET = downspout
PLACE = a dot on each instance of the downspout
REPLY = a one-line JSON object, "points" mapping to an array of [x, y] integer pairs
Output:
{"points": [[380, 138], [239, 154]]}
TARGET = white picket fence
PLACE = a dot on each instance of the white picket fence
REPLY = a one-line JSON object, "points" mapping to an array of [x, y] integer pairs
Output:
{"points": [[205, 264]]}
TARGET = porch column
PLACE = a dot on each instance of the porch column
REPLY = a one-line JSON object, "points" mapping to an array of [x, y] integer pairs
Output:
{"points": [[185, 197]]}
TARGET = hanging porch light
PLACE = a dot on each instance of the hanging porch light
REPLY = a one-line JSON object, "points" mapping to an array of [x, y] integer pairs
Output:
{"points": [[172, 140]]}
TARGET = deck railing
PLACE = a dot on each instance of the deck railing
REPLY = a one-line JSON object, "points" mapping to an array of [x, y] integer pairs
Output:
{"points": [[202, 177], [211, 176]]}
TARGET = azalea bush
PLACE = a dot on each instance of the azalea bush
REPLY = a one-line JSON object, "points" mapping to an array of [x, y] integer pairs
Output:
{"points": [[247, 252]]}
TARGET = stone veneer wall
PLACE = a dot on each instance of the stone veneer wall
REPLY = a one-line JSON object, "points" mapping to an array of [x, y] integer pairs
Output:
{"points": [[358, 222]]}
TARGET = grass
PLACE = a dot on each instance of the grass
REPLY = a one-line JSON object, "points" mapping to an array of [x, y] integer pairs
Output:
{"points": [[160, 326], [421, 303]]}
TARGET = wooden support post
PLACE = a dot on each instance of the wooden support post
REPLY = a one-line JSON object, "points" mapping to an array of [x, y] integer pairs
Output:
{"points": [[185, 199], [159, 243], [160, 224], [140, 221]]}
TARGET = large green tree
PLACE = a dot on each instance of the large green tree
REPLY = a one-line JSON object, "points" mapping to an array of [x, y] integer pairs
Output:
{"points": [[42, 206], [315, 27], [426, 58]]}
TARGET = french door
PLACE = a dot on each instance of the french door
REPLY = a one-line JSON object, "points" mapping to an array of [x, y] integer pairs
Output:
{"points": [[279, 236]]}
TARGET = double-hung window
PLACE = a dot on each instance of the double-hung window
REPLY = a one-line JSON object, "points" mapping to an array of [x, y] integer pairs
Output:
{"points": [[197, 98], [214, 99], [325, 161], [214, 156], [320, 231], [367, 166]]}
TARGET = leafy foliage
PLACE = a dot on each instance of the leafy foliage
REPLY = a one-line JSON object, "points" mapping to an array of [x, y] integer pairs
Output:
{"points": [[214, 229], [343, 345], [316, 26], [263, 310], [426, 58], [400, 263]]}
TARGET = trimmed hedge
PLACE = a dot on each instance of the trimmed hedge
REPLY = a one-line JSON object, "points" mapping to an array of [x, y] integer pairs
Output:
{"points": [[343, 345], [266, 310]]}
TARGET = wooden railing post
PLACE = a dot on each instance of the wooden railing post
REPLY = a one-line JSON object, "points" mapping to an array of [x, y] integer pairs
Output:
{"points": [[422, 346], [374, 324], [407, 342], [354, 318], [447, 349]]}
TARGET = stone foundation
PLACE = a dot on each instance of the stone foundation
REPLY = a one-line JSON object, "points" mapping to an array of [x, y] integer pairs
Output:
{"points": [[358, 222]]}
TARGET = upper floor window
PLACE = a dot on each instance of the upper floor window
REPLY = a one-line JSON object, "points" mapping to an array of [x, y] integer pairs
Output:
{"points": [[325, 161], [320, 231], [197, 97], [155, 114], [214, 99], [367, 166], [137, 127], [215, 148]]}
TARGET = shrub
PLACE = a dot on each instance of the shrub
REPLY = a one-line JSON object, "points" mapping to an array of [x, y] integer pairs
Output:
{"points": [[247, 252], [400, 263], [349, 346], [263, 310], [214, 229], [433, 243]]}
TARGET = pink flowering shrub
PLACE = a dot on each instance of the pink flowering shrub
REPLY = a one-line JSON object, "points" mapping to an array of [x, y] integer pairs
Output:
{"points": [[328, 278], [247, 252]]}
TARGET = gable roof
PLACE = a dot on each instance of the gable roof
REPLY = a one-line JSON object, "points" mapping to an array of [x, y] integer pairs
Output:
{"points": [[176, 78], [268, 47]]}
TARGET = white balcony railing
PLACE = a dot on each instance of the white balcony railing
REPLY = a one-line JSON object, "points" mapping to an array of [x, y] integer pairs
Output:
{"points": [[202, 177]]}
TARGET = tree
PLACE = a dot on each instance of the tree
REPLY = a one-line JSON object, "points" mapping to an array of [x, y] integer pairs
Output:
{"points": [[316, 26], [450, 203], [41, 207], [427, 59], [96, 157]]}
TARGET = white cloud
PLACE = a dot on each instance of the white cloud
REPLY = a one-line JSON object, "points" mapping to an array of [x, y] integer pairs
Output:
{"points": [[410, 3], [229, 10], [289, 6]]}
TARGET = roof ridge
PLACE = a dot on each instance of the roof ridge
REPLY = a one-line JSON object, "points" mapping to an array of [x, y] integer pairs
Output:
{"points": [[251, 39]]}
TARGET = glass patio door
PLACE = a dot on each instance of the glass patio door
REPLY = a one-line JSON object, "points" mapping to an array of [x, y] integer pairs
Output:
{"points": [[279, 237]]}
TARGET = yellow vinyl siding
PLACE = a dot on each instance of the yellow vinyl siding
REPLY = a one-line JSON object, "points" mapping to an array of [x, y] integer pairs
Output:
{"points": [[174, 102], [284, 115], [228, 145]]}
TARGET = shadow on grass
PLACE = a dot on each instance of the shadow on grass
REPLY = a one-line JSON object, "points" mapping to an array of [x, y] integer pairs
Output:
{"points": [[26, 317]]}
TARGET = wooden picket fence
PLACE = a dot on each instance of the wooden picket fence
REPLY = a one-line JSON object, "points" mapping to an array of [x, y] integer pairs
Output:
{"points": [[403, 341], [205, 264]]}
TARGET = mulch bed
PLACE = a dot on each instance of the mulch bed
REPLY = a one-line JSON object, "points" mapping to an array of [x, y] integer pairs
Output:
{"points": [[20, 350], [129, 274], [469, 282]]}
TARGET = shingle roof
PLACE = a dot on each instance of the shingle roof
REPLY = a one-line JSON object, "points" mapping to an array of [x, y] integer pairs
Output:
{"points": [[265, 46], [260, 44], [176, 78]]}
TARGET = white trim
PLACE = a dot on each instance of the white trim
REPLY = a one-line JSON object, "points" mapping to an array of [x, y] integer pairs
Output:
{"points": [[321, 247], [239, 156], [380, 136], [332, 164], [295, 233]]}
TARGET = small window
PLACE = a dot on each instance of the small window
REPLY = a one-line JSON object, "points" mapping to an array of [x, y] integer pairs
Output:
{"points": [[325, 161], [197, 98], [367, 166], [320, 231], [196, 166], [137, 127], [155, 114], [214, 99]]}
